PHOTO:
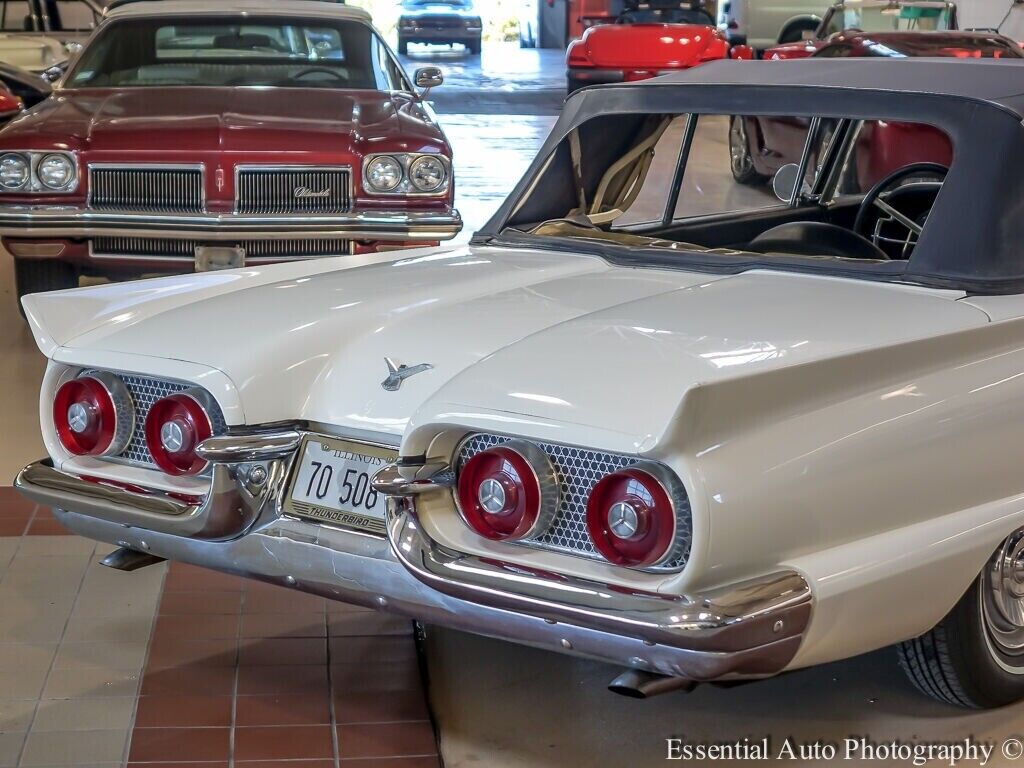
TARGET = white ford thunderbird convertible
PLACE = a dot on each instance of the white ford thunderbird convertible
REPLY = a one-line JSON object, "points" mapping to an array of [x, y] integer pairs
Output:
{"points": [[705, 431]]}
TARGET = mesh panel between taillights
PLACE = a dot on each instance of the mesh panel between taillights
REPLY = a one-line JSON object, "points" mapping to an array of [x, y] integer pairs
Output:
{"points": [[145, 392], [579, 470]]}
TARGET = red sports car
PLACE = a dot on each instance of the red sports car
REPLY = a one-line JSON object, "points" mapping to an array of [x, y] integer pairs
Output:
{"points": [[759, 147], [188, 138], [871, 17], [646, 40]]}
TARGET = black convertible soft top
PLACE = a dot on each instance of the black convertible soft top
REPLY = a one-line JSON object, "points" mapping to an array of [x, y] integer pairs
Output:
{"points": [[974, 240]]}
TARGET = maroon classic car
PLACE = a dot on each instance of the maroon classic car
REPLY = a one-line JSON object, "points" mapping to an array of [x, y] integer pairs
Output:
{"points": [[759, 147], [193, 135]]}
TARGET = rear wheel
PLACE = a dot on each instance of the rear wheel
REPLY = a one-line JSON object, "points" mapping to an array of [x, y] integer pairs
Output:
{"points": [[475, 47], [31, 276], [975, 656], [572, 85], [403, 46], [741, 161]]}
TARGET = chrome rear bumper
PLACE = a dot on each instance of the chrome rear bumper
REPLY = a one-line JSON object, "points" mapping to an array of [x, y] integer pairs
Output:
{"points": [[752, 629], [69, 222]]}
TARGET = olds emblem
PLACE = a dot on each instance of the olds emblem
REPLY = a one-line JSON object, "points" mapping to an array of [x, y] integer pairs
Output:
{"points": [[305, 193], [397, 374]]}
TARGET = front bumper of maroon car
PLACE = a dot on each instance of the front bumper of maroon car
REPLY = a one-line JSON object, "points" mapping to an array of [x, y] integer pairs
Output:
{"points": [[60, 222]]}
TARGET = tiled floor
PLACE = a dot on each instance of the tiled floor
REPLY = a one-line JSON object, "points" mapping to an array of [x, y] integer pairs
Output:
{"points": [[176, 664]]}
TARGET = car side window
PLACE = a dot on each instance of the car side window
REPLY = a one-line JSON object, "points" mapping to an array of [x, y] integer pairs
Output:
{"points": [[16, 16], [72, 16]]}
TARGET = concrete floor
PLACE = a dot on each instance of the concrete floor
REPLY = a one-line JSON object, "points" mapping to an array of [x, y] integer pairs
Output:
{"points": [[505, 706]]}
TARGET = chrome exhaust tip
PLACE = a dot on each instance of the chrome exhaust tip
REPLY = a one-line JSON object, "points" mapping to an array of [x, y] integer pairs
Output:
{"points": [[637, 684], [129, 560]]}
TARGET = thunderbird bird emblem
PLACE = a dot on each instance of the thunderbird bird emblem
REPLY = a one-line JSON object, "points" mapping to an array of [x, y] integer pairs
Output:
{"points": [[397, 374]]}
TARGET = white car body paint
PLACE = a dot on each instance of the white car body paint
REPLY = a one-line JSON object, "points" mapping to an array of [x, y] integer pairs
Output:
{"points": [[864, 434]]}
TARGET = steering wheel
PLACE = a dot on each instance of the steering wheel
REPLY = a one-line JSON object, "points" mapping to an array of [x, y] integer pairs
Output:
{"points": [[878, 196], [319, 70]]}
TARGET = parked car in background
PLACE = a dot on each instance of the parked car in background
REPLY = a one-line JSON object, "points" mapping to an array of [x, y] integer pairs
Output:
{"points": [[647, 39], [38, 35], [648, 416], [30, 87], [759, 147], [440, 22], [764, 23], [10, 105], [248, 132], [871, 17]]}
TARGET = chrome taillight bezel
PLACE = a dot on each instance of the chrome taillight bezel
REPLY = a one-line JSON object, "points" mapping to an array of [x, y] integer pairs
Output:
{"points": [[116, 413]]}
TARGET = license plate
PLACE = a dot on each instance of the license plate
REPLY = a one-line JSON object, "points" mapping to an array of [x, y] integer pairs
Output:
{"points": [[210, 258], [333, 483]]}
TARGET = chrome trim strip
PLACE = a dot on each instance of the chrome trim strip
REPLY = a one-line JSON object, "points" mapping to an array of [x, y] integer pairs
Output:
{"points": [[60, 221], [231, 449], [415, 480]]}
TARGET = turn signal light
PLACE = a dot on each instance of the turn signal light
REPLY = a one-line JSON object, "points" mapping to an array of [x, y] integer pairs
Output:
{"points": [[175, 427], [631, 517], [93, 416], [508, 493]]}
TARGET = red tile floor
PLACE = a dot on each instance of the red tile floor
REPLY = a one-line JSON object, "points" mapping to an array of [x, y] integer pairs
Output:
{"points": [[239, 673]]}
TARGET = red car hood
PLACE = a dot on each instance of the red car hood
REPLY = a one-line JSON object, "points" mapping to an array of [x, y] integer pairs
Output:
{"points": [[652, 46], [244, 120]]}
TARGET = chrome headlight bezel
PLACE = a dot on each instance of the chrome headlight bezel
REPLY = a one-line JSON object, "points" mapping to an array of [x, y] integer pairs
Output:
{"points": [[34, 183], [8, 158], [406, 187]]}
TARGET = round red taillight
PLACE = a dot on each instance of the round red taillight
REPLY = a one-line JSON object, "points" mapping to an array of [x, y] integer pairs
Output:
{"points": [[631, 517], [508, 493], [93, 416], [175, 426]]}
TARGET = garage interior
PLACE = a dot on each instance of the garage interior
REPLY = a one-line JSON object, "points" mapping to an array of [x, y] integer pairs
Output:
{"points": [[175, 665]]}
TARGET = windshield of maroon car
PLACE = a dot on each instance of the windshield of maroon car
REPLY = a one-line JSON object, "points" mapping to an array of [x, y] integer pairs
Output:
{"points": [[890, 18], [233, 52]]}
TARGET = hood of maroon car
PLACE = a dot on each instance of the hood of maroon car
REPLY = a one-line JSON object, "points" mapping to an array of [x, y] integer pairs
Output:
{"points": [[227, 120], [652, 46], [801, 49]]}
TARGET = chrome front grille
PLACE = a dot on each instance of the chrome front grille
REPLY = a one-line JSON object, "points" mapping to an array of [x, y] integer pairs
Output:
{"points": [[151, 189], [145, 392], [578, 471], [293, 190], [161, 248]]}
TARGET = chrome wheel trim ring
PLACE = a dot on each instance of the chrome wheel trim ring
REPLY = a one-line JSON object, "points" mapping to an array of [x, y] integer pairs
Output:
{"points": [[739, 149], [1001, 600]]}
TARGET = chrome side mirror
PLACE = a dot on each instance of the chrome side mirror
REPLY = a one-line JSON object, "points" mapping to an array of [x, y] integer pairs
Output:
{"points": [[428, 78], [785, 181], [53, 75]]}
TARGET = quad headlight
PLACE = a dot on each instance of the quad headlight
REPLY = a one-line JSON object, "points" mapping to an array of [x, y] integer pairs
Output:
{"points": [[427, 173], [406, 174], [15, 171], [56, 171], [38, 172], [384, 174]]}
